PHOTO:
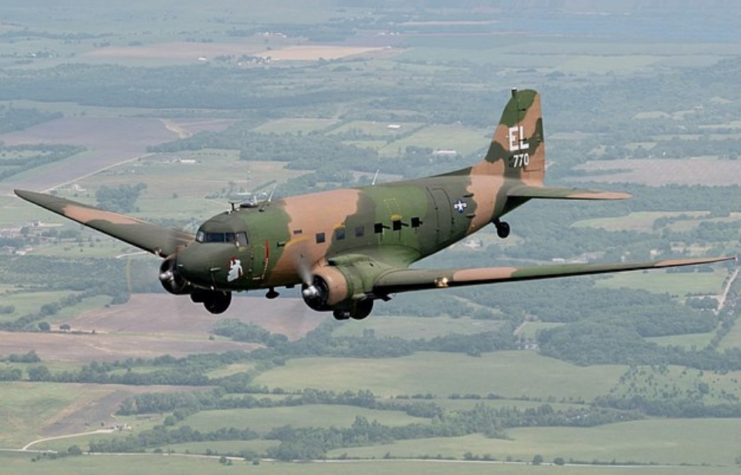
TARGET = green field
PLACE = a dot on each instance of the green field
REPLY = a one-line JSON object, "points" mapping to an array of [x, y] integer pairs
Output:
{"points": [[418, 327], [732, 339], [311, 415], [197, 465], [31, 302], [294, 126], [697, 340], [506, 373], [641, 221], [696, 441], [28, 407], [675, 283], [463, 140]]}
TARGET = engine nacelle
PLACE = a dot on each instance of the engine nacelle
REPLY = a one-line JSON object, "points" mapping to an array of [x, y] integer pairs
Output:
{"points": [[335, 290], [171, 279], [328, 289]]}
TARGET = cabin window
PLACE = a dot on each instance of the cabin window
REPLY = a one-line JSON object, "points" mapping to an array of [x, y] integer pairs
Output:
{"points": [[201, 236], [296, 232], [339, 234], [396, 225], [360, 231], [230, 237], [320, 238], [416, 222], [378, 228]]}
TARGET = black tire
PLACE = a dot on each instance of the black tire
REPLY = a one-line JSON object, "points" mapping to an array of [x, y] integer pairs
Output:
{"points": [[503, 230], [217, 302], [362, 309]]}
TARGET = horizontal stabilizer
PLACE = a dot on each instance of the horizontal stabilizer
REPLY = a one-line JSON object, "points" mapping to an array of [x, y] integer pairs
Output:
{"points": [[404, 280], [147, 236], [549, 193]]}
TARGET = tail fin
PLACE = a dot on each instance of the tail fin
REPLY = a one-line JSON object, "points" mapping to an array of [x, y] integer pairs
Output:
{"points": [[518, 147]]}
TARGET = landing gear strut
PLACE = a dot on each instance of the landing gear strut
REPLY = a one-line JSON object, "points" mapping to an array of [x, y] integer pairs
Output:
{"points": [[502, 228]]}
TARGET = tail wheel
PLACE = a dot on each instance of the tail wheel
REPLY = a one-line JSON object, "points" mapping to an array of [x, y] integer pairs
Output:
{"points": [[502, 229]]}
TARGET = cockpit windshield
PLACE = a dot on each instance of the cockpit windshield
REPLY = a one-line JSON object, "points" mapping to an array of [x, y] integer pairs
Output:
{"points": [[240, 239]]}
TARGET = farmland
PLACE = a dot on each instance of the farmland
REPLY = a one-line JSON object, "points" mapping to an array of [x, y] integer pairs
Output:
{"points": [[197, 107]]}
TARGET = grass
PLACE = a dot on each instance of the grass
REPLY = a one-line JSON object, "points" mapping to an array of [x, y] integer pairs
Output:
{"points": [[641, 221], [418, 327], [530, 331], [28, 302], [28, 407], [508, 373], [444, 137], [197, 465], [675, 283], [294, 125], [676, 382], [732, 339], [263, 420], [696, 340], [223, 447], [666, 441], [379, 129]]}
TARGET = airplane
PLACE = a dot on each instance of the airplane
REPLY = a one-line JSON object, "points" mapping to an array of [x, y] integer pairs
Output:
{"points": [[350, 247]]}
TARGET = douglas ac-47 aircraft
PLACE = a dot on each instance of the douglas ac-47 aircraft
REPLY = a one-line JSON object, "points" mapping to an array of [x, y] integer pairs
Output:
{"points": [[347, 248]]}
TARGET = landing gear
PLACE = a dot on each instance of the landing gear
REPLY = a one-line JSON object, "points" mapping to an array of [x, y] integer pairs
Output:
{"points": [[361, 310], [502, 228], [272, 294], [215, 301]]}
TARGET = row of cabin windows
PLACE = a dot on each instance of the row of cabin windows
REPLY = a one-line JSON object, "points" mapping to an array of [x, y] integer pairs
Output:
{"points": [[341, 233]]}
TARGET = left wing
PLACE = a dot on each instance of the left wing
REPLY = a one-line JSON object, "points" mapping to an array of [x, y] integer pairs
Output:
{"points": [[150, 237], [404, 280]]}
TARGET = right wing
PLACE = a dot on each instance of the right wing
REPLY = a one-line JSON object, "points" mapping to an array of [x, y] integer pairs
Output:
{"points": [[150, 237], [405, 280], [551, 193]]}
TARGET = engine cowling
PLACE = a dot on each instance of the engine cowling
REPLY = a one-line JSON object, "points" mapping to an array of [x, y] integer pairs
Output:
{"points": [[332, 289], [328, 288], [171, 279]]}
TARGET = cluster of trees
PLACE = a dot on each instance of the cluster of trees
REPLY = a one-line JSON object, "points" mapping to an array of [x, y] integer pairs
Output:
{"points": [[121, 198], [183, 404], [25, 157], [161, 435], [14, 118], [30, 357]]}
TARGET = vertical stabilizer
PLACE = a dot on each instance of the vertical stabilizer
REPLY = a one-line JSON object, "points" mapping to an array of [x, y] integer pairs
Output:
{"points": [[517, 149]]}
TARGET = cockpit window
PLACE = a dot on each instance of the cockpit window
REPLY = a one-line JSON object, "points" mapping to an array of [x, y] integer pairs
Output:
{"points": [[242, 239], [234, 238]]}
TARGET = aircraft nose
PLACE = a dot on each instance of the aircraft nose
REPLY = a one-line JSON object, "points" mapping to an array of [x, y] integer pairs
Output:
{"points": [[194, 263]]}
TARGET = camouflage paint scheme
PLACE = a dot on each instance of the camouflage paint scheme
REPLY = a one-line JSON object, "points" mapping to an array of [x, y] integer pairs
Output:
{"points": [[349, 247]]}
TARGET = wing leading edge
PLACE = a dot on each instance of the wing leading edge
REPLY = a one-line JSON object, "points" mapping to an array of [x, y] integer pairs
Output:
{"points": [[404, 280], [150, 237]]}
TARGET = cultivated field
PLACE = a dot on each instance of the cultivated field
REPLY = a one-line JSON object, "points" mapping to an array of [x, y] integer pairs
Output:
{"points": [[668, 441], [658, 172], [511, 374]]}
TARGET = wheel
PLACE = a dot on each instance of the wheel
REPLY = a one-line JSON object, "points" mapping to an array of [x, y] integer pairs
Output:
{"points": [[362, 309], [217, 302], [340, 315], [503, 229]]}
